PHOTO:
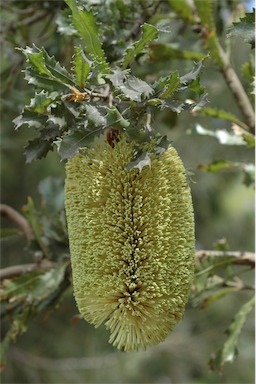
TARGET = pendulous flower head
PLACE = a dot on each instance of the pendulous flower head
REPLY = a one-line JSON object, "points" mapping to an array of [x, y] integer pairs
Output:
{"points": [[131, 238]]}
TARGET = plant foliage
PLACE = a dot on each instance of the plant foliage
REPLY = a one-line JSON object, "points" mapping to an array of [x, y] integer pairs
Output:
{"points": [[98, 86]]}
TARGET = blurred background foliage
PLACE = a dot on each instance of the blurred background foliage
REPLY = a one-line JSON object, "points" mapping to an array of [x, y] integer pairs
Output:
{"points": [[59, 347]]}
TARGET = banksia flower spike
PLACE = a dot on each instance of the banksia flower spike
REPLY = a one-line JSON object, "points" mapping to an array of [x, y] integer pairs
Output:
{"points": [[131, 241]]}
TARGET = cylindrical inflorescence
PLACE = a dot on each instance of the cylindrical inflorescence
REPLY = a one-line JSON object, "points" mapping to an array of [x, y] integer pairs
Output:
{"points": [[131, 238]]}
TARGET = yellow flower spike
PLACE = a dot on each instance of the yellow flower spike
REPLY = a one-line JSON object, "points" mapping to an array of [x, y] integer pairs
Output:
{"points": [[131, 241]]}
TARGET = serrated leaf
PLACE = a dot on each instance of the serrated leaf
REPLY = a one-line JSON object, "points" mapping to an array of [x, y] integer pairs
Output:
{"points": [[115, 119], [70, 144], [82, 68], [96, 115], [37, 149], [85, 23], [176, 106], [31, 118], [162, 145], [229, 351], [245, 29], [41, 101], [195, 86], [192, 75], [160, 52], [47, 66], [131, 87], [168, 85], [149, 33], [222, 135], [142, 161]]}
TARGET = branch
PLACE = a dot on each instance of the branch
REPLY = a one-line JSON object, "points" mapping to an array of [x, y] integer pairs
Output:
{"points": [[17, 218], [241, 258], [22, 269], [237, 89]]}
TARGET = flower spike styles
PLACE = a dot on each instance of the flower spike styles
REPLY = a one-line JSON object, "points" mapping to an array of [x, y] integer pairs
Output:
{"points": [[132, 241]]}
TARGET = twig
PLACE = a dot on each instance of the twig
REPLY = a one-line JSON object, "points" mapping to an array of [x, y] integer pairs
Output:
{"points": [[22, 269], [241, 258], [17, 218], [237, 89]]}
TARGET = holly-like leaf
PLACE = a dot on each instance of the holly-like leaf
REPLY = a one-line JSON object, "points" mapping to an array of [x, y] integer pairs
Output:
{"points": [[168, 85], [46, 67], [142, 161], [245, 29], [82, 67], [69, 144], [130, 86], [96, 115], [85, 23], [41, 101], [192, 75], [115, 119], [149, 33], [37, 149], [31, 118], [229, 351]]}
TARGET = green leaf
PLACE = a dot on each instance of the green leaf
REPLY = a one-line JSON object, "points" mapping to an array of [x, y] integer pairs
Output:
{"points": [[31, 118], [70, 143], [222, 135], [42, 101], [229, 351], [32, 292], [245, 29], [161, 52], [169, 85], [130, 86], [46, 66], [37, 149], [142, 161], [82, 67], [192, 75], [85, 23], [115, 119], [149, 33]]}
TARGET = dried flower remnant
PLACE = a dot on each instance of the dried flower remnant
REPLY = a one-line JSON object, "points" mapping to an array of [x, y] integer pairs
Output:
{"points": [[131, 242]]}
